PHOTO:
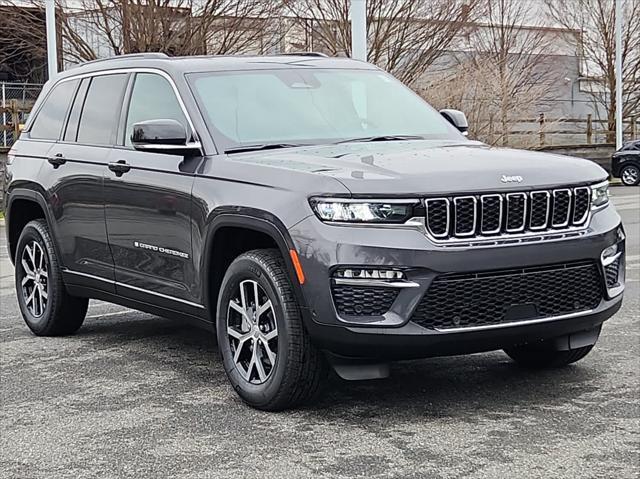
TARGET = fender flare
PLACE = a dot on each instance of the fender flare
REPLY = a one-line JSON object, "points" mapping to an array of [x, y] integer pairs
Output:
{"points": [[33, 195], [252, 219]]}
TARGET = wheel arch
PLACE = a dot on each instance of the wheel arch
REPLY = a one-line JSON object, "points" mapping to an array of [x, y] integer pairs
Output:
{"points": [[265, 230], [23, 206]]}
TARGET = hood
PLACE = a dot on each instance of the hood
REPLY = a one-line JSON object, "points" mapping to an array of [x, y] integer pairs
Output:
{"points": [[430, 167]]}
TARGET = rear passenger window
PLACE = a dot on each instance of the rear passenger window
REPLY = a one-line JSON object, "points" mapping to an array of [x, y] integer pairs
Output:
{"points": [[100, 115], [50, 118], [152, 98], [71, 130]]}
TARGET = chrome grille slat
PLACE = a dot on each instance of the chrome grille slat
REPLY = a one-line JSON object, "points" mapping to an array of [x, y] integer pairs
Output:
{"points": [[485, 217], [515, 201], [581, 202], [489, 214], [465, 206], [535, 213], [561, 203]]}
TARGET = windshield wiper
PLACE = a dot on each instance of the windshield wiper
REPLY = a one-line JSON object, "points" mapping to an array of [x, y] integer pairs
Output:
{"points": [[262, 146], [383, 138]]}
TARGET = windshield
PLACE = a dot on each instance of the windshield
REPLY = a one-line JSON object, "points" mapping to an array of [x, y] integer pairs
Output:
{"points": [[312, 106]]}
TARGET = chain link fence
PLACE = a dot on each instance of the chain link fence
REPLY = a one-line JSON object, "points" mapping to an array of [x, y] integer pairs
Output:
{"points": [[16, 101]]}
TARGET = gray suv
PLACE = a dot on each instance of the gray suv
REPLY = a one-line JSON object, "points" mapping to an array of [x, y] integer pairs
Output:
{"points": [[314, 212]]}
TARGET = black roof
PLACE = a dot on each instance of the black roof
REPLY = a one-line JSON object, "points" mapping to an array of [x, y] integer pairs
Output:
{"points": [[192, 64]]}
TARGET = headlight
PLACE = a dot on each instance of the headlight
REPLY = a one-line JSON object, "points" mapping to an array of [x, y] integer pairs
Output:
{"points": [[356, 211], [600, 194]]}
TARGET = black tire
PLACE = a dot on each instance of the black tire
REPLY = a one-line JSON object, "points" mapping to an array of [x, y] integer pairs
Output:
{"points": [[531, 358], [59, 313], [630, 175], [300, 369]]}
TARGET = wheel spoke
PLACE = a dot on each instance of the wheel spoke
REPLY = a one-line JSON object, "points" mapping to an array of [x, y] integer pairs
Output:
{"points": [[236, 307], [264, 308], [38, 301], [252, 363], [27, 269], [270, 335], [256, 296], [270, 354], [243, 298], [26, 279], [40, 263], [29, 300], [262, 374], [43, 293], [239, 347]]}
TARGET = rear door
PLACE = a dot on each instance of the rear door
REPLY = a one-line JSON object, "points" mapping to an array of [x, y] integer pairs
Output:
{"points": [[84, 152], [148, 207], [74, 173]]}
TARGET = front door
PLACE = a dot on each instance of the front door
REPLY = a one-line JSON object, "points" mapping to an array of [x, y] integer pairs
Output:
{"points": [[148, 205]]}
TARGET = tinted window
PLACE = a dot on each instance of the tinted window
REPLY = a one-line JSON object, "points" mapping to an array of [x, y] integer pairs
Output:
{"points": [[71, 130], [101, 111], [48, 123], [152, 98]]}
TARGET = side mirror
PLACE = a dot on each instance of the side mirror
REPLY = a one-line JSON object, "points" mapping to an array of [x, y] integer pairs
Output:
{"points": [[457, 119], [163, 136]]}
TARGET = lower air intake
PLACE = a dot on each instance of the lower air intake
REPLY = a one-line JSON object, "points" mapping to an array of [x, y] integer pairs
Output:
{"points": [[506, 296]]}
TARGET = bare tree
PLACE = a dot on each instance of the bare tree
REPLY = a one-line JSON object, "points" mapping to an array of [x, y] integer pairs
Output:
{"points": [[595, 19], [504, 71], [404, 36], [22, 43], [89, 29], [177, 27]]}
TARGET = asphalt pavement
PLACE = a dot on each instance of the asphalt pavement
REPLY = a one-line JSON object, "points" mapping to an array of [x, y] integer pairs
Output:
{"points": [[134, 395]]}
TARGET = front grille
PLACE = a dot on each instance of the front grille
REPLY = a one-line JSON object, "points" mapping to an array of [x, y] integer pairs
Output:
{"points": [[477, 216], [505, 296], [363, 301]]}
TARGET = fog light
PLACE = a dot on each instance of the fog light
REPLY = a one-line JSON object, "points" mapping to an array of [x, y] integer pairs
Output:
{"points": [[366, 273], [609, 252]]}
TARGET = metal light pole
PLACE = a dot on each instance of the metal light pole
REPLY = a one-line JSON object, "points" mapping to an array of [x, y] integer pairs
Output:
{"points": [[52, 53], [359, 29], [618, 74]]}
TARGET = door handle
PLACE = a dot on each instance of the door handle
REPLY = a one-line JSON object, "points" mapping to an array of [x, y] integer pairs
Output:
{"points": [[57, 160], [119, 167]]}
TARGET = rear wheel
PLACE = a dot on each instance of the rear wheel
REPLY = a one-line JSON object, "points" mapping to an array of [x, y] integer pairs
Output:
{"points": [[529, 357], [630, 175], [46, 306], [265, 348]]}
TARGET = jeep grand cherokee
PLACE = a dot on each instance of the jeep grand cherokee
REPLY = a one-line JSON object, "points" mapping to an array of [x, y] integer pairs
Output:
{"points": [[313, 211]]}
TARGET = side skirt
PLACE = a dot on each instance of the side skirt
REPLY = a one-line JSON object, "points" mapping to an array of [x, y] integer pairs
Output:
{"points": [[147, 307]]}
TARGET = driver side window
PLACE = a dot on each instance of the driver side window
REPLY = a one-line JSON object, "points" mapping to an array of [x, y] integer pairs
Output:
{"points": [[152, 98]]}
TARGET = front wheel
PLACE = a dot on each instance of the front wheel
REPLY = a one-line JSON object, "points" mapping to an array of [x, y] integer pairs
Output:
{"points": [[265, 349], [630, 175]]}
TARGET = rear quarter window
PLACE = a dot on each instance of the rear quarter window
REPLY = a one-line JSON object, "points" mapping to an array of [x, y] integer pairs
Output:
{"points": [[50, 118]]}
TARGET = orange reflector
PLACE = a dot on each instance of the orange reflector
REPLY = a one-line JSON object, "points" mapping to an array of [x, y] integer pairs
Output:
{"points": [[296, 265]]}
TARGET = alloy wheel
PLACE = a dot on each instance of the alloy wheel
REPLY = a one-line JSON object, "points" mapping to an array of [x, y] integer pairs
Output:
{"points": [[35, 281], [252, 332], [630, 175]]}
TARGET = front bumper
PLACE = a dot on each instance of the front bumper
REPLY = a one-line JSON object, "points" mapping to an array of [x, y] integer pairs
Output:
{"points": [[322, 248]]}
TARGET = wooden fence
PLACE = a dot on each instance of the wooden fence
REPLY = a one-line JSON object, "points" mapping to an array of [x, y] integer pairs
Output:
{"points": [[545, 131]]}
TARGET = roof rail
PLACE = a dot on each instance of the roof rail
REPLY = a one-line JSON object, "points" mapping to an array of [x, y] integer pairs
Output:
{"points": [[303, 54], [125, 57]]}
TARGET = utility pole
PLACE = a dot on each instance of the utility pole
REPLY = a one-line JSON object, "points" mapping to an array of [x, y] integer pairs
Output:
{"points": [[359, 29], [52, 51], [618, 74]]}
